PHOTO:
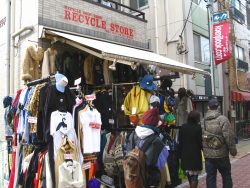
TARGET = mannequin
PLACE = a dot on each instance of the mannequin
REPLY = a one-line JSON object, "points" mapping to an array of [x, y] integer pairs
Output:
{"points": [[182, 107]]}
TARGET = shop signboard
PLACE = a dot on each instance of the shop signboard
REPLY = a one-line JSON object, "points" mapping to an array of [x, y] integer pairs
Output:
{"points": [[94, 20]]}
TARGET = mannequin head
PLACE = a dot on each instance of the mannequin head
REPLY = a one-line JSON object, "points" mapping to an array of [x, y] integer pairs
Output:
{"points": [[61, 82], [166, 84]]}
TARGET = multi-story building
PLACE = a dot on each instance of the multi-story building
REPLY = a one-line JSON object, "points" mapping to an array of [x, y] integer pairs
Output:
{"points": [[179, 29], [236, 70]]}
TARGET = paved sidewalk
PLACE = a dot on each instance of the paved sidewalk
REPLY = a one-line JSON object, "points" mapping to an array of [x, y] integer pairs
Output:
{"points": [[240, 169]]}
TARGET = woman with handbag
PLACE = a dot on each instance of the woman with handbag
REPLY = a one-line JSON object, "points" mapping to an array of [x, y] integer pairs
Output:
{"points": [[190, 146]]}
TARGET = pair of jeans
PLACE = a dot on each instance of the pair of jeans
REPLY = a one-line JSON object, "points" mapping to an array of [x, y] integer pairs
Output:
{"points": [[223, 165]]}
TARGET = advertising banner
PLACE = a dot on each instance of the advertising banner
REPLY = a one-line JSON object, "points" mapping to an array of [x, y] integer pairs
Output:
{"points": [[221, 44]]}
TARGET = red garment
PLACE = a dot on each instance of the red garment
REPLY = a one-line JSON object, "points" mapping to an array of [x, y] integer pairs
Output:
{"points": [[16, 120], [16, 98], [111, 141], [95, 168], [13, 169]]}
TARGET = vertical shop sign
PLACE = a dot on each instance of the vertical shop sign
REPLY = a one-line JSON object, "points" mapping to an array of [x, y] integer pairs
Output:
{"points": [[221, 45]]}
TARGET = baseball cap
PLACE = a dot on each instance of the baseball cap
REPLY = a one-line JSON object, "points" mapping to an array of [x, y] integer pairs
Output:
{"points": [[154, 98], [213, 103]]}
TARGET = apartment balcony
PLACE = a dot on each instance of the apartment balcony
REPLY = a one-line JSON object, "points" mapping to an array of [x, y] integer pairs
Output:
{"points": [[237, 15]]}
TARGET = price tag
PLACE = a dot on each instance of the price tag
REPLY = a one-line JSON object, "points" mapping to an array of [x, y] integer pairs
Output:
{"points": [[78, 81], [112, 121], [95, 125], [6, 183], [122, 107], [32, 119], [133, 110], [86, 166], [68, 156], [90, 97], [168, 147], [14, 148]]}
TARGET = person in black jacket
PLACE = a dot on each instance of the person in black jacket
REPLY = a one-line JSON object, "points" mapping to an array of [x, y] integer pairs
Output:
{"points": [[190, 146]]}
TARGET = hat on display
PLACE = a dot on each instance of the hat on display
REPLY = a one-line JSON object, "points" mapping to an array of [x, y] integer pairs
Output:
{"points": [[147, 82], [213, 103], [106, 180], [154, 98], [151, 117], [61, 82], [166, 83], [93, 183], [7, 101]]}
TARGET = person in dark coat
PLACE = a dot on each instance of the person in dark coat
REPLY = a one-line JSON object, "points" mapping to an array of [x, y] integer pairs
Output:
{"points": [[190, 146]]}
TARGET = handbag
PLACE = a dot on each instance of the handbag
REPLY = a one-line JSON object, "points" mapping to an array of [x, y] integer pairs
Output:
{"points": [[181, 173], [210, 140]]}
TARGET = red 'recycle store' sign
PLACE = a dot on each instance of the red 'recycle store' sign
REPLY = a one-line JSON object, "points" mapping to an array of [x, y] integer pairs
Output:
{"points": [[97, 21]]}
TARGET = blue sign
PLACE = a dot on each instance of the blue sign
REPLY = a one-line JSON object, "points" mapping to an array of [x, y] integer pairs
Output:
{"points": [[220, 16]]}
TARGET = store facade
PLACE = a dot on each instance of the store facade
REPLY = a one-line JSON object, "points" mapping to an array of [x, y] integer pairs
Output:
{"points": [[82, 27]]}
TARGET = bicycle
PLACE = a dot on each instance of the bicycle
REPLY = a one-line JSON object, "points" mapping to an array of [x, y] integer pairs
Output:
{"points": [[244, 133]]}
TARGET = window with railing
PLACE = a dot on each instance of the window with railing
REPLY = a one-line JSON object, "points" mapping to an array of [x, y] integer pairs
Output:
{"points": [[137, 4], [116, 4], [237, 11]]}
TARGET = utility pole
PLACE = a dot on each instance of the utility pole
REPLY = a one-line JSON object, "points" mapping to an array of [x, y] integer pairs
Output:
{"points": [[210, 29]]}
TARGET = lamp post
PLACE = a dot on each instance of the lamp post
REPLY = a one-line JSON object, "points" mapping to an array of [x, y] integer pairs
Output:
{"points": [[210, 24]]}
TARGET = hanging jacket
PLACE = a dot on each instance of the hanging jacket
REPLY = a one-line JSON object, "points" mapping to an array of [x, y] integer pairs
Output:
{"points": [[70, 175], [31, 63], [137, 98]]}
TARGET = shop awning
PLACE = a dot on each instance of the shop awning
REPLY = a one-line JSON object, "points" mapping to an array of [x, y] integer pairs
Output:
{"points": [[237, 96], [124, 54]]}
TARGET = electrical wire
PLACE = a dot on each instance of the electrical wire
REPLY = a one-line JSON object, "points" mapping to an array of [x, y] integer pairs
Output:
{"points": [[186, 19]]}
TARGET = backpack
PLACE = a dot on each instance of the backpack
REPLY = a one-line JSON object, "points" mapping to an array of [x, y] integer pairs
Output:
{"points": [[170, 100], [134, 165]]}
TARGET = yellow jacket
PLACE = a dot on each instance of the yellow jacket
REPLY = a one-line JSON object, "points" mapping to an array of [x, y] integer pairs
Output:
{"points": [[137, 98]]}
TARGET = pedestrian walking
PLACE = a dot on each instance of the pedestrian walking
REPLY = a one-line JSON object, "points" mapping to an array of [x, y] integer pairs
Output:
{"points": [[190, 147], [218, 159]]}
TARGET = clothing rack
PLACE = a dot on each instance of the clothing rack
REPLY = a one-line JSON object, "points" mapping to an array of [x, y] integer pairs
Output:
{"points": [[40, 81]]}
